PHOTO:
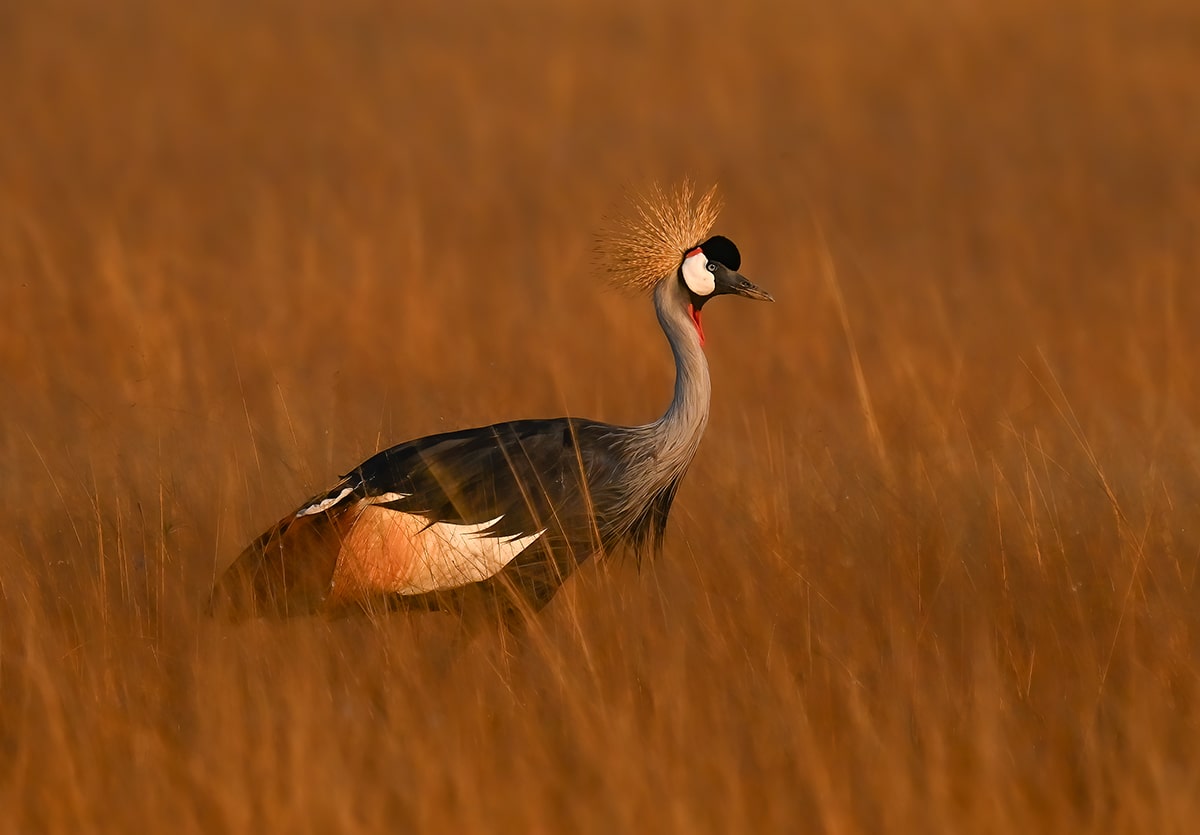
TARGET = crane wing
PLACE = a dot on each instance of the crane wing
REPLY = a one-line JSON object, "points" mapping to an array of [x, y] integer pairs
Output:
{"points": [[515, 479], [438, 513]]}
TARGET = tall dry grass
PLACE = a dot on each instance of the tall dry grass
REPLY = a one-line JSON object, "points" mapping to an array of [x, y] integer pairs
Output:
{"points": [[935, 568]]}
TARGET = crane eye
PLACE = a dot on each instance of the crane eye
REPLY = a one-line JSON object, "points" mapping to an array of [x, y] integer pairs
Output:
{"points": [[712, 266]]}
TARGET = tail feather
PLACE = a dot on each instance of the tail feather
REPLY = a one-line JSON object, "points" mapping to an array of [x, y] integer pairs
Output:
{"points": [[287, 571]]}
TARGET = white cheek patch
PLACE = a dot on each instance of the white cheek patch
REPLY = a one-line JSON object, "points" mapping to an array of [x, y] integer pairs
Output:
{"points": [[695, 273]]}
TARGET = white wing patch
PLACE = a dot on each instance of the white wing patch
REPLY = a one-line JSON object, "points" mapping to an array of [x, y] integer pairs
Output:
{"points": [[324, 504], [385, 498], [391, 552], [695, 272], [330, 501]]}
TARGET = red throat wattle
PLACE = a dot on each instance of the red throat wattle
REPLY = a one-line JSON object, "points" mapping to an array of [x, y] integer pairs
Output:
{"points": [[694, 312]]}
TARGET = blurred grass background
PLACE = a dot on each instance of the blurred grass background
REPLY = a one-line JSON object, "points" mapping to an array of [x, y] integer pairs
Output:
{"points": [[243, 245]]}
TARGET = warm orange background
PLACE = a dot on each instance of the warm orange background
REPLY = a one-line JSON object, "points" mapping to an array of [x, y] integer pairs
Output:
{"points": [[934, 570]]}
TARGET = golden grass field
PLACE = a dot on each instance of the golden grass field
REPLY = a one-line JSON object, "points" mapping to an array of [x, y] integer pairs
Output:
{"points": [[935, 568]]}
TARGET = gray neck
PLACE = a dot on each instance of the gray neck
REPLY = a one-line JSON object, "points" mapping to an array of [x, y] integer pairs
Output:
{"points": [[659, 453], [677, 433]]}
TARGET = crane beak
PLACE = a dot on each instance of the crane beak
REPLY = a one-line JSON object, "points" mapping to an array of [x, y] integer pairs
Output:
{"points": [[742, 287]]}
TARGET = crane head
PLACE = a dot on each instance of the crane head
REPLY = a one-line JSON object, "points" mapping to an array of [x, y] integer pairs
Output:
{"points": [[711, 269], [655, 242]]}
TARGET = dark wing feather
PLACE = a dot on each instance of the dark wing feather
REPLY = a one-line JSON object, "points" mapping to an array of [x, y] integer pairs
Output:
{"points": [[534, 475], [555, 477], [287, 570]]}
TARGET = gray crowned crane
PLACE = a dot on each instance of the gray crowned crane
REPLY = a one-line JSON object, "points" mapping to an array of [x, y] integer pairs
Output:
{"points": [[505, 513]]}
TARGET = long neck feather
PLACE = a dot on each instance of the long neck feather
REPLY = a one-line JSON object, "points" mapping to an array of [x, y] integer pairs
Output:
{"points": [[659, 453], [677, 433]]}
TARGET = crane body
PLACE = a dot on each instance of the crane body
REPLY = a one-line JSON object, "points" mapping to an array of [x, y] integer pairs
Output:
{"points": [[507, 512]]}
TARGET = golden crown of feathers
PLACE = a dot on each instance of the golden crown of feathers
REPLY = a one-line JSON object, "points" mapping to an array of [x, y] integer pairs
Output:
{"points": [[646, 244]]}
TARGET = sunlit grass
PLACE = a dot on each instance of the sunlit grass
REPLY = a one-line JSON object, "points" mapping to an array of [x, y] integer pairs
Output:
{"points": [[934, 569]]}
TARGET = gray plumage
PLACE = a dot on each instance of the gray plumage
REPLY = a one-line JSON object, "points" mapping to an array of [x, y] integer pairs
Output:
{"points": [[503, 512]]}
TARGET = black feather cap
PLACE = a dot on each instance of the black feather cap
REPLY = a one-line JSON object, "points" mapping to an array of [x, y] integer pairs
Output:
{"points": [[722, 250]]}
